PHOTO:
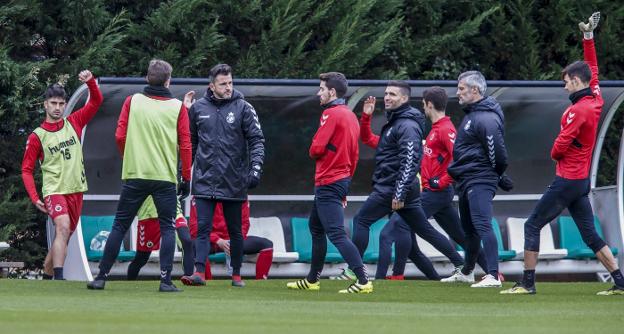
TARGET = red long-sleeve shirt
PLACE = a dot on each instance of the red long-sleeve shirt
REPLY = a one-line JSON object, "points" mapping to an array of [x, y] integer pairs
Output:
{"points": [[219, 228], [438, 154], [335, 145], [184, 134], [366, 134], [574, 145], [77, 119]]}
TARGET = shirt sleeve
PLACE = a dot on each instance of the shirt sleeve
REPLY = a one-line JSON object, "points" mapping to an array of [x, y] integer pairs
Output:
{"points": [[81, 117], [366, 134], [589, 54], [184, 143], [32, 153], [323, 135], [122, 126], [253, 135]]}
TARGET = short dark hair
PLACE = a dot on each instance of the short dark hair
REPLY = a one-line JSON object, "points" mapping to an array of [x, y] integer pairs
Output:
{"points": [[437, 96], [578, 69], [403, 85], [337, 81], [55, 90], [158, 72], [219, 69]]}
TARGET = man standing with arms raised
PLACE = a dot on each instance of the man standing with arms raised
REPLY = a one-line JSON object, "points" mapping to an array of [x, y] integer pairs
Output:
{"points": [[572, 153], [152, 129], [56, 144], [335, 151]]}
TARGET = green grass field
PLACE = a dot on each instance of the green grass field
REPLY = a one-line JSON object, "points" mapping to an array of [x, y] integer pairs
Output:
{"points": [[268, 307]]}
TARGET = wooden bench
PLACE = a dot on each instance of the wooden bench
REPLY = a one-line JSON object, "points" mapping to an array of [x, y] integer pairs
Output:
{"points": [[6, 266]]}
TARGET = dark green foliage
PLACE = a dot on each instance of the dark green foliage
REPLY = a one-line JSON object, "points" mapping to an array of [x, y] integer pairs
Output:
{"points": [[49, 41]]}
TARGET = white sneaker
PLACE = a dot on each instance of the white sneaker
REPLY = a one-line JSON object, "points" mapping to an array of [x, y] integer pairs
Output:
{"points": [[459, 277], [488, 281]]}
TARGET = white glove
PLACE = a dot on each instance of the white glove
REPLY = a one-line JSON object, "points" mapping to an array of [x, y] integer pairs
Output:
{"points": [[588, 28]]}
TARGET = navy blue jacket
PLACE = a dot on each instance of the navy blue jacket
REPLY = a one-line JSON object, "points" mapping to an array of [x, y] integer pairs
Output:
{"points": [[227, 142], [479, 154], [398, 155]]}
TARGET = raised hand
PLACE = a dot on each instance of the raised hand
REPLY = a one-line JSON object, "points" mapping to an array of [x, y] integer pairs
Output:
{"points": [[369, 105], [592, 23], [188, 99], [85, 76]]}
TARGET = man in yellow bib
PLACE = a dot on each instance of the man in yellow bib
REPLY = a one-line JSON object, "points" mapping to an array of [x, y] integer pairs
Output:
{"points": [[152, 129], [56, 145]]}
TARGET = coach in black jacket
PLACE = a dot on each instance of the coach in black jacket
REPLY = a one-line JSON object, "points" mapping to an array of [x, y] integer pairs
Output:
{"points": [[397, 161], [228, 152], [480, 159]]}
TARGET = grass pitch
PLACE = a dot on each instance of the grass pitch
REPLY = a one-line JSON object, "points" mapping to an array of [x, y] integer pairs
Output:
{"points": [[268, 307]]}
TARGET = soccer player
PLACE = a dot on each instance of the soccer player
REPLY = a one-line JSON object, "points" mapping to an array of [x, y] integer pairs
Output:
{"points": [[397, 160], [220, 241], [56, 144], [228, 153], [480, 162], [151, 131], [335, 151], [572, 152], [148, 239], [437, 195]]}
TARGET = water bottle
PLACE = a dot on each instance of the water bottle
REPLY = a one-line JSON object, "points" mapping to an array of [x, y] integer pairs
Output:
{"points": [[228, 265]]}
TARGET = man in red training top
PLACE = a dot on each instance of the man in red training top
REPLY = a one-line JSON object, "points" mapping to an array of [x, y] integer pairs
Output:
{"points": [[56, 144], [572, 152], [335, 151]]}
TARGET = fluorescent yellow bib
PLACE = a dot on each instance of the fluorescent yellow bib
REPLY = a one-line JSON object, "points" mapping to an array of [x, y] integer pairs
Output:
{"points": [[148, 210], [62, 166], [151, 151]]}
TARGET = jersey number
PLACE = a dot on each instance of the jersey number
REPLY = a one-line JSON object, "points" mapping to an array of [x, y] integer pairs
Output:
{"points": [[66, 155]]}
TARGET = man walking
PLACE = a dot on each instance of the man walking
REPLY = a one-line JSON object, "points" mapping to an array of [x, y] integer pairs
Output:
{"points": [[480, 162], [397, 161], [335, 151]]}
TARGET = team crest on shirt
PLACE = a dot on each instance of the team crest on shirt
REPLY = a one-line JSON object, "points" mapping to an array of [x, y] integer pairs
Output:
{"points": [[58, 208], [150, 244], [230, 118]]}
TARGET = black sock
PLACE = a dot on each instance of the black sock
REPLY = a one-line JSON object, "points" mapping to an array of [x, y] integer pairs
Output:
{"points": [[46, 276], [466, 271], [140, 259], [313, 277], [58, 273], [617, 278], [360, 272], [528, 278], [165, 277]]}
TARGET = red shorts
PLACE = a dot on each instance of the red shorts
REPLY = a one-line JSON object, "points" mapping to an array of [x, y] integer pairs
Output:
{"points": [[148, 233], [65, 204]]}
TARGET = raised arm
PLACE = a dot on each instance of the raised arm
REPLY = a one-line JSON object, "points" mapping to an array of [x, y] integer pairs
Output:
{"points": [[366, 134], [81, 117], [589, 51]]}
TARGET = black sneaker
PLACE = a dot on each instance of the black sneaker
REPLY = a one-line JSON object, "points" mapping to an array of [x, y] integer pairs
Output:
{"points": [[164, 287], [97, 284]]}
